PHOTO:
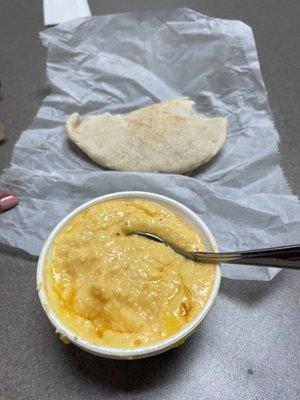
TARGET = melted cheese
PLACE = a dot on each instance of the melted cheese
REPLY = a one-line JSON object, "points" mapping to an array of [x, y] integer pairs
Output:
{"points": [[122, 290]]}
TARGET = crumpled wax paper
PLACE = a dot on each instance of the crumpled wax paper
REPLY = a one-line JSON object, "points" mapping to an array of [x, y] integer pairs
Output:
{"points": [[120, 62]]}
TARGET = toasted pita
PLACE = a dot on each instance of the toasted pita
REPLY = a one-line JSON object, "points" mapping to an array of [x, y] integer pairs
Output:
{"points": [[165, 137]]}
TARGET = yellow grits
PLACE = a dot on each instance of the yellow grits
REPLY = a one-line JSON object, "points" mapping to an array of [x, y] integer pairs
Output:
{"points": [[125, 291]]}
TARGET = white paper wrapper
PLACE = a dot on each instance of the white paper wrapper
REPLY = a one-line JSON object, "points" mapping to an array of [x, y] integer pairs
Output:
{"points": [[120, 62]]}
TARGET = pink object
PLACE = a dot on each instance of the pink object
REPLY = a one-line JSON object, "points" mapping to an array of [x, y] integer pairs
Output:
{"points": [[7, 200]]}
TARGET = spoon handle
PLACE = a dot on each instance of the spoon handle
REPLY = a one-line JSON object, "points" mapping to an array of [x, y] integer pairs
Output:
{"points": [[280, 257]]}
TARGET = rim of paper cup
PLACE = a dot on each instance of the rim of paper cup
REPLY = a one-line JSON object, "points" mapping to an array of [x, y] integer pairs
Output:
{"points": [[141, 351]]}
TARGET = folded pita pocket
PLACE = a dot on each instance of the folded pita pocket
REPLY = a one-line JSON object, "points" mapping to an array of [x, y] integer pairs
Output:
{"points": [[164, 137]]}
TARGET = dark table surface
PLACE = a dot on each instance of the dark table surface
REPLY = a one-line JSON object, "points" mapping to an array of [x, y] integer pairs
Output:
{"points": [[248, 346]]}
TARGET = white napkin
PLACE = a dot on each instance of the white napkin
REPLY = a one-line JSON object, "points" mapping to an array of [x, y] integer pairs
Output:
{"points": [[58, 11]]}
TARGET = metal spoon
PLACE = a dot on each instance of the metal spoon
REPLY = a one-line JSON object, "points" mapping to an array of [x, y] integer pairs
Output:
{"points": [[280, 257]]}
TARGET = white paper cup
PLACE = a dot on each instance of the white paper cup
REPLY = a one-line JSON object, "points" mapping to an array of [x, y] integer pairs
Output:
{"points": [[142, 351]]}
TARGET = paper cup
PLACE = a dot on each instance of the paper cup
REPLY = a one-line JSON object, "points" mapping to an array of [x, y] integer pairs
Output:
{"points": [[142, 351]]}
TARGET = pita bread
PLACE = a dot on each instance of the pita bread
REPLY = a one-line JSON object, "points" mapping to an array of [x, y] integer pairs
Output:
{"points": [[164, 137]]}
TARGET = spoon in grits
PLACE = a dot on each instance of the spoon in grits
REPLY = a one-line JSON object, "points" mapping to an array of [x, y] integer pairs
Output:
{"points": [[280, 257]]}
